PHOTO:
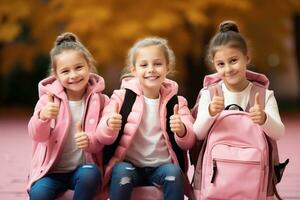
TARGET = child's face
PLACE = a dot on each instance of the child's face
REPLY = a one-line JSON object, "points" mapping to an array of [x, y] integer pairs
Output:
{"points": [[231, 65], [72, 70], [151, 69]]}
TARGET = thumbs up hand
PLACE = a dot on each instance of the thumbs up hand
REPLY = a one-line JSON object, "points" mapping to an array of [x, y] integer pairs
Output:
{"points": [[256, 112], [176, 124], [50, 111], [81, 138], [216, 105], [115, 119]]}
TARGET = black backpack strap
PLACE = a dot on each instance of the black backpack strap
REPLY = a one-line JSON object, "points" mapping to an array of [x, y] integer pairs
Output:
{"points": [[178, 151], [126, 108]]}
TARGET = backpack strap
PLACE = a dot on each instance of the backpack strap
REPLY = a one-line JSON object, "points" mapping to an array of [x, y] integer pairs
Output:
{"points": [[126, 108]]}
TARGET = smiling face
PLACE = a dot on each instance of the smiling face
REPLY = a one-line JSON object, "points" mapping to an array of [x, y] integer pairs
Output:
{"points": [[151, 68], [72, 70], [231, 65]]}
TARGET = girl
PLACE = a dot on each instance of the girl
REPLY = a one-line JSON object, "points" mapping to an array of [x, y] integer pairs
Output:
{"points": [[66, 115], [144, 155], [228, 52], [232, 85]]}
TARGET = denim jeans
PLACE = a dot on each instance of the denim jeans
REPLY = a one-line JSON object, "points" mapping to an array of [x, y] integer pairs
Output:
{"points": [[84, 180], [126, 176]]}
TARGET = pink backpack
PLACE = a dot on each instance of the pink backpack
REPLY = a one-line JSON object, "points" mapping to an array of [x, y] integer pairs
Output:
{"points": [[237, 159]]}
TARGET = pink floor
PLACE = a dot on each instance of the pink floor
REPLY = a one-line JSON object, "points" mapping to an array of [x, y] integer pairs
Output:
{"points": [[15, 149]]}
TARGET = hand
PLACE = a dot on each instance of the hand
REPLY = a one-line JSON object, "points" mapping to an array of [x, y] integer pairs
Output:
{"points": [[115, 119], [50, 111], [216, 105], [81, 138], [176, 124], [256, 112]]}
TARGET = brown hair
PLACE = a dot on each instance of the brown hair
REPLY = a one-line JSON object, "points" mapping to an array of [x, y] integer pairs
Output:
{"points": [[228, 34], [69, 41]]}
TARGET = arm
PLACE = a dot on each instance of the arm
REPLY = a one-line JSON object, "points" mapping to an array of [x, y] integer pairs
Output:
{"points": [[273, 125], [94, 145], [204, 120], [104, 134]]}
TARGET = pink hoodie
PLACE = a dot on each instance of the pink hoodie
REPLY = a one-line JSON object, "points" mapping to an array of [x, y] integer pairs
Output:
{"points": [[49, 136], [168, 89]]}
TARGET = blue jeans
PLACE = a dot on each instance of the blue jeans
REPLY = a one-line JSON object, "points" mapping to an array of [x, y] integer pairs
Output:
{"points": [[126, 176], [84, 180]]}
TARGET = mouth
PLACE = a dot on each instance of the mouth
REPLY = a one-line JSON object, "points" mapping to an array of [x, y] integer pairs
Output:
{"points": [[231, 75], [75, 82], [151, 78]]}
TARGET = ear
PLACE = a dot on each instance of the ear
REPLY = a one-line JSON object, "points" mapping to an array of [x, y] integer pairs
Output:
{"points": [[248, 59], [168, 68], [132, 70]]}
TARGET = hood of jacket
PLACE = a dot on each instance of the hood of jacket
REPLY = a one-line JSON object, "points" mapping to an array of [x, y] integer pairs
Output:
{"points": [[51, 84], [250, 75], [168, 88]]}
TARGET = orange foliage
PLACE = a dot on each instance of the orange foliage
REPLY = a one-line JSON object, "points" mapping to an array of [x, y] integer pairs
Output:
{"points": [[108, 28]]}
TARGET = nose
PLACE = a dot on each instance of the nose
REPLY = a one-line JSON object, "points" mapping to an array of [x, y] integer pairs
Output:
{"points": [[73, 74], [151, 68], [228, 68]]}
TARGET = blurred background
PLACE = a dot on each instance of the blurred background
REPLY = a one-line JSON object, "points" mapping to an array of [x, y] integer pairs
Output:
{"points": [[108, 28]]}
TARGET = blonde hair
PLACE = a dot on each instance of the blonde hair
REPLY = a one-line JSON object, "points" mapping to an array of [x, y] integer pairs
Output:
{"points": [[69, 41], [146, 42]]}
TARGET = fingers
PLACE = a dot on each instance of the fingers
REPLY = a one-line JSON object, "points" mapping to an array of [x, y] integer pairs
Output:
{"points": [[115, 120], [176, 109], [81, 139], [217, 104]]}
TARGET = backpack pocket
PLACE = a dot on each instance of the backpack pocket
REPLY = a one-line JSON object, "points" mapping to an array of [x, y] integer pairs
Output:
{"points": [[234, 173]]}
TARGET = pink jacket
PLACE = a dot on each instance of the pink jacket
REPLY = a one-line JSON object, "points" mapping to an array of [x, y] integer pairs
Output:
{"points": [[49, 136], [168, 89]]}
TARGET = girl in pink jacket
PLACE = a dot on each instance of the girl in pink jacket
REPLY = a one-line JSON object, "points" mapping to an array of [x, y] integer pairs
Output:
{"points": [[144, 154], [66, 115]]}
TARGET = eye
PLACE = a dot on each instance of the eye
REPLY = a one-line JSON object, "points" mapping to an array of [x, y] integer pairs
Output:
{"points": [[233, 60], [79, 67], [158, 64], [64, 71], [143, 65], [220, 64]]}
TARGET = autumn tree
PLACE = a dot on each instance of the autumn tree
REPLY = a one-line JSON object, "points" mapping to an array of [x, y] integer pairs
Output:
{"points": [[109, 27]]}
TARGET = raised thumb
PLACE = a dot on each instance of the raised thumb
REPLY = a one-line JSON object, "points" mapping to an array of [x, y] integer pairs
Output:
{"points": [[50, 97], [78, 127], [176, 108], [116, 109], [216, 92], [256, 100]]}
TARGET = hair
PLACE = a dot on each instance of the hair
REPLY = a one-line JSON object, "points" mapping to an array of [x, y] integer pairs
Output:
{"points": [[228, 35], [69, 41], [146, 42]]}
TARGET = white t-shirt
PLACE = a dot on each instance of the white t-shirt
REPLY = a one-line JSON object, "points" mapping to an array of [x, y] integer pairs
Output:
{"points": [[71, 156], [148, 148], [273, 126]]}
